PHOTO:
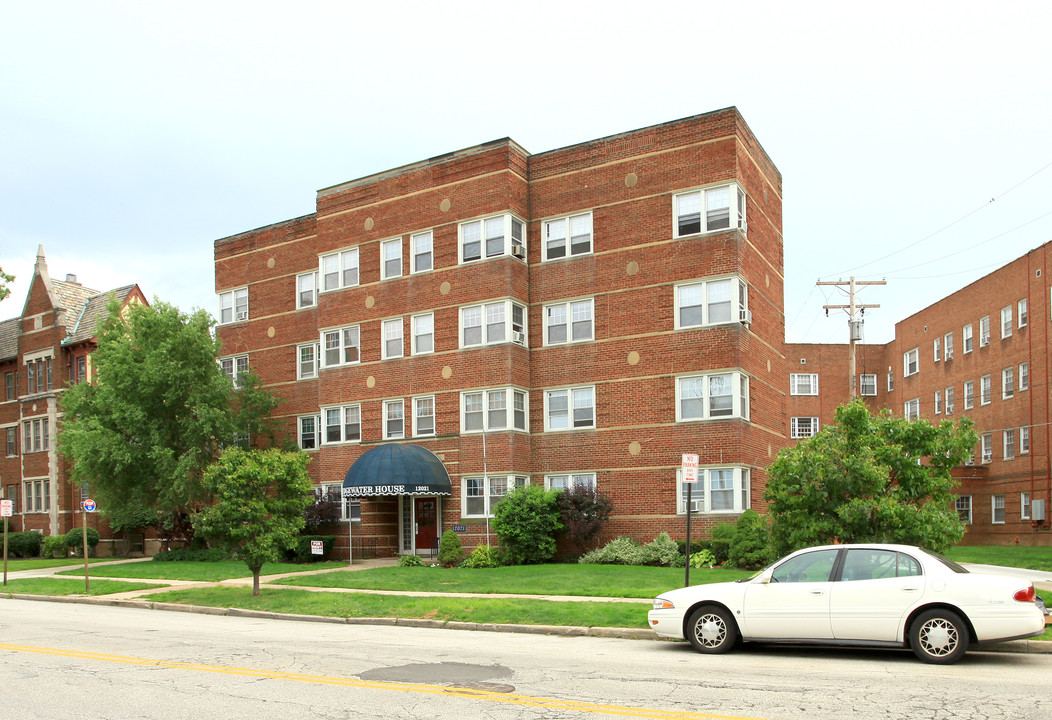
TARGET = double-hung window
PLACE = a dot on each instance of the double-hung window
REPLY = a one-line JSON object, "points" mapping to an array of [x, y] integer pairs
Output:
{"points": [[569, 408], [712, 302], [423, 339], [307, 290], [9, 381], [1009, 443], [803, 427], [1024, 506], [966, 334], [393, 346], [718, 490], [493, 323], [339, 270], [949, 400], [1024, 376], [423, 251], [12, 441], [492, 237], [391, 258], [36, 436], [480, 495], [342, 424], [570, 481], [984, 331], [340, 346], [969, 394], [1006, 322], [804, 384], [718, 396], [307, 361], [491, 410], [423, 415], [569, 322], [997, 509], [38, 495], [1021, 310], [234, 368], [985, 389], [963, 504], [912, 409], [233, 306], [708, 210], [937, 346], [947, 346], [938, 402], [308, 432], [910, 362], [567, 236], [1024, 440], [1007, 383], [987, 447], [394, 419], [868, 385]]}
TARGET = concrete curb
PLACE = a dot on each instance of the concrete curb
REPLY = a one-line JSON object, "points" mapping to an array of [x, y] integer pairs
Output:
{"points": [[1012, 646]]}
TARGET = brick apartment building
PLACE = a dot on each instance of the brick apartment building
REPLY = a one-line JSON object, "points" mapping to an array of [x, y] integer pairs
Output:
{"points": [[42, 351], [579, 316]]}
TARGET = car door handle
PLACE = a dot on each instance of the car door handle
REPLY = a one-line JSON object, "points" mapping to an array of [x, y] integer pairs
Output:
{"points": [[910, 589], [818, 592]]}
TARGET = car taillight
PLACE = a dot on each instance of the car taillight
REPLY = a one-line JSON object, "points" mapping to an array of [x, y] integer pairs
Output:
{"points": [[1026, 596]]}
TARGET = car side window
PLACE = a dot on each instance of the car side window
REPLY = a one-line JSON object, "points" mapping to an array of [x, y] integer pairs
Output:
{"points": [[809, 567], [873, 564]]}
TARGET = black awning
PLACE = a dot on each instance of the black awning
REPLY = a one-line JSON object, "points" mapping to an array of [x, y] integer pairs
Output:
{"points": [[395, 469]]}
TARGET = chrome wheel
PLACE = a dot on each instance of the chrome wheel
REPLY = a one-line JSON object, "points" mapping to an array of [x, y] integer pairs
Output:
{"points": [[711, 630], [939, 636]]}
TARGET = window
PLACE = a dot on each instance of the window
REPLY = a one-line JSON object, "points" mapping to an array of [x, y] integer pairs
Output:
{"points": [[949, 400], [9, 381], [718, 208], [391, 258], [1007, 383], [1021, 310], [1006, 322], [711, 303], [233, 306], [911, 409], [80, 372], [997, 509], [394, 419], [984, 390], [493, 323], [307, 361], [984, 331], [803, 427], [569, 409], [910, 361], [38, 495], [866, 564], [868, 385], [339, 270], [350, 508], [718, 490], [38, 375], [341, 346], [937, 345], [947, 346], [565, 482], [12, 441], [803, 384], [308, 432], [987, 447], [966, 333], [481, 494], [1024, 376], [1009, 444], [423, 338], [969, 394], [1024, 441], [1024, 506], [938, 402], [393, 346], [488, 410], [891, 380], [234, 368], [712, 397], [342, 424], [423, 416], [568, 322], [963, 505], [307, 289], [35, 437], [575, 230], [423, 251], [492, 237]]}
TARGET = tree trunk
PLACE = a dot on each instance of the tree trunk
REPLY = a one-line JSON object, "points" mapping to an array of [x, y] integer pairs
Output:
{"points": [[255, 581]]}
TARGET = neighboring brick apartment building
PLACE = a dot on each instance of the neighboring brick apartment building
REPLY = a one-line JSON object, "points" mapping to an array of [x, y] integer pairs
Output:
{"points": [[982, 352], [42, 351], [579, 316]]}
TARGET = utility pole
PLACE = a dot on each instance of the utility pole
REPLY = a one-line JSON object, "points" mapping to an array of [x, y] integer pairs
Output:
{"points": [[854, 323]]}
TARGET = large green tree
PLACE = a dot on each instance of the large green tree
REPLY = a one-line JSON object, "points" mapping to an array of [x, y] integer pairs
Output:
{"points": [[527, 523], [4, 280], [158, 412], [257, 499], [869, 478]]}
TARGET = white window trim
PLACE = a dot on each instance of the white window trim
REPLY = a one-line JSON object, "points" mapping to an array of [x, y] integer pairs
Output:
{"points": [[994, 509], [958, 508], [312, 277], [511, 334], [1024, 505], [299, 361], [234, 294], [949, 395], [986, 448], [739, 388], [739, 300], [911, 409], [1008, 444], [570, 395], [413, 253], [342, 256], [862, 385], [966, 339], [1008, 383], [1024, 440], [509, 405], [568, 309], [384, 244], [434, 416], [400, 402], [795, 384], [938, 402], [947, 346], [322, 365], [1024, 377], [741, 491], [317, 431], [348, 505], [413, 334], [1022, 313], [235, 375], [1006, 322], [737, 199], [519, 253], [323, 427], [910, 358], [969, 397], [566, 221], [384, 354], [797, 432], [573, 479], [937, 349], [986, 389], [984, 335], [512, 480]]}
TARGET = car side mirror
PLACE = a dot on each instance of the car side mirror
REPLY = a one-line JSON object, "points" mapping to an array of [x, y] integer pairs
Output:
{"points": [[764, 578]]}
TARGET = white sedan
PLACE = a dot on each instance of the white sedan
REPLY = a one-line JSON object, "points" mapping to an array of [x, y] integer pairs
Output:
{"points": [[878, 595]]}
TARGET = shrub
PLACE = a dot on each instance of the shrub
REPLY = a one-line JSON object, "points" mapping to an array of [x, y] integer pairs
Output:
{"points": [[301, 551], [702, 559], [55, 546], [188, 555], [24, 544], [527, 522], [449, 549], [722, 535], [583, 510], [662, 550], [410, 561], [75, 539], [751, 547], [321, 512], [483, 556], [619, 551]]}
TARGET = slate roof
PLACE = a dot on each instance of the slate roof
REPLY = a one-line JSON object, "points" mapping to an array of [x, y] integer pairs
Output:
{"points": [[71, 296], [9, 338], [92, 313]]}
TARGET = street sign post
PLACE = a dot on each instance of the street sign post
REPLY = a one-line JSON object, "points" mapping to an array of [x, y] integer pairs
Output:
{"points": [[88, 505], [7, 509], [690, 477]]}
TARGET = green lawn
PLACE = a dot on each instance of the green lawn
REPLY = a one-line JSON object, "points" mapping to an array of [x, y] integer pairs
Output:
{"points": [[589, 580], [1034, 558], [15, 564], [202, 571], [64, 586]]}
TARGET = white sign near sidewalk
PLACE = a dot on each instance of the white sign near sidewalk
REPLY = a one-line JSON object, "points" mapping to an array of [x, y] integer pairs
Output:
{"points": [[690, 468], [7, 508]]}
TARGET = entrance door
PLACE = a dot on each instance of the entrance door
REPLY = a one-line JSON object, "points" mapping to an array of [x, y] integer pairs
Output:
{"points": [[425, 511]]}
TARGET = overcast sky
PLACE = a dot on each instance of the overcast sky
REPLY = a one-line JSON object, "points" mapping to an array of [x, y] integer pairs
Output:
{"points": [[914, 138]]}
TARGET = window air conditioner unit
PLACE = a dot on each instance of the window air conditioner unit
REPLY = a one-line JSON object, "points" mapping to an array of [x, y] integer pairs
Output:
{"points": [[745, 316], [519, 338], [744, 227], [1037, 510], [518, 251], [240, 316], [949, 355], [969, 461], [984, 340]]}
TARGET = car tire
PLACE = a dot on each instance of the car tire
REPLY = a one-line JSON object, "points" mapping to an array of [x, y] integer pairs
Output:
{"points": [[711, 629], [939, 636]]}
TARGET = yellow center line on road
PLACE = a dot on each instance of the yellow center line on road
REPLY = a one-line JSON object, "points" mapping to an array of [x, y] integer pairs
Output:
{"points": [[465, 693]]}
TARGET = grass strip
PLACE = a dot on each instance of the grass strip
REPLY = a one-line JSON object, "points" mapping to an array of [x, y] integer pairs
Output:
{"points": [[468, 609], [63, 586], [201, 571], [1020, 556], [16, 564]]}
